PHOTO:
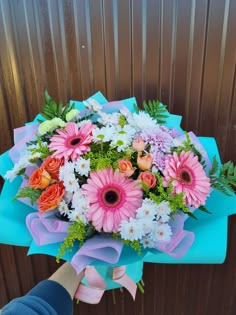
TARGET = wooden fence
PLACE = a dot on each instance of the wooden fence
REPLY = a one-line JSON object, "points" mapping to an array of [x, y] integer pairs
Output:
{"points": [[182, 52]]}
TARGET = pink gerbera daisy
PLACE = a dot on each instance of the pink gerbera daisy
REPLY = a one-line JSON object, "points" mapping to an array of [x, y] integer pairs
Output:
{"points": [[112, 198], [72, 142], [187, 176]]}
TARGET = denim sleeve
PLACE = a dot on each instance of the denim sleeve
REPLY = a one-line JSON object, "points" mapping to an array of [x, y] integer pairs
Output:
{"points": [[46, 298]]}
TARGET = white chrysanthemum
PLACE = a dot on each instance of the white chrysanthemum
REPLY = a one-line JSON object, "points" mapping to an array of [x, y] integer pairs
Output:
{"points": [[131, 230], [68, 196], [161, 232], [18, 168], [76, 216], [66, 169], [63, 207], [147, 210], [70, 183], [146, 224], [141, 121], [93, 105], [109, 119], [50, 125], [72, 114], [147, 242], [163, 211], [82, 166], [79, 202]]}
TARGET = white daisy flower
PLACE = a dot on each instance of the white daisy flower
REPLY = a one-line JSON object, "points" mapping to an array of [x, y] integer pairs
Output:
{"points": [[147, 242], [66, 169], [163, 210], [161, 233], [146, 224], [103, 134], [77, 215], [131, 230], [68, 196], [63, 207], [147, 210], [130, 131], [82, 166], [70, 183], [120, 141], [79, 202]]}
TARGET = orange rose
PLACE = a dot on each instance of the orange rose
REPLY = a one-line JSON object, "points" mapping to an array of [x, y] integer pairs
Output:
{"points": [[144, 162], [126, 167], [39, 179], [148, 179], [52, 166], [51, 197]]}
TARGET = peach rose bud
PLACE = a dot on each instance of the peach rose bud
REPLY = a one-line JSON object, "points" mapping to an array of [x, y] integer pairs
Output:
{"points": [[39, 179], [148, 179], [126, 167], [138, 144], [144, 162]]}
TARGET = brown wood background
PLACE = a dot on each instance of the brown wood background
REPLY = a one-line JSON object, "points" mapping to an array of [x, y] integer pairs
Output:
{"points": [[180, 52]]}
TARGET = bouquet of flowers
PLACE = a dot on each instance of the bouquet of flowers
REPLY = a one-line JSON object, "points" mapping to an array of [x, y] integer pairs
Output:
{"points": [[111, 185]]}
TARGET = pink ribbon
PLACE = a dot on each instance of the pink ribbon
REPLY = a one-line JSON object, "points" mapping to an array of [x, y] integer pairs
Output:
{"points": [[93, 291], [180, 241], [46, 228], [120, 276]]}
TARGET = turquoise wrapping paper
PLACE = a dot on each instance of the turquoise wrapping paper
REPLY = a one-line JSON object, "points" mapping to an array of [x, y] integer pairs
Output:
{"points": [[210, 229]]}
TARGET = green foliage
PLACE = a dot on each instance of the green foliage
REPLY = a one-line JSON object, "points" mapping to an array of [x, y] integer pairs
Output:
{"points": [[28, 192], [223, 177], [176, 201], [133, 244], [187, 146], [76, 232], [103, 156], [52, 110], [42, 149], [155, 109]]}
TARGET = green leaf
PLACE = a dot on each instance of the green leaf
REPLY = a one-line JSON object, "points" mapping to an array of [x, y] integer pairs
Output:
{"points": [[28, 192], [204, 209], [223, 177], [155, 109], [47, 97], [76, 232]]}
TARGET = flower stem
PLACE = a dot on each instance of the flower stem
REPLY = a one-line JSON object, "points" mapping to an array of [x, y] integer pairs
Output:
{"points": [[113, 296], [140, 287]]}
